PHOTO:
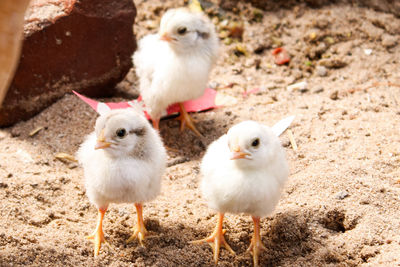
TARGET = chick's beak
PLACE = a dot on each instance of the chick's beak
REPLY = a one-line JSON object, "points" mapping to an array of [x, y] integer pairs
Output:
{"points": [[165, 37], [237, 153], [101, 141]]}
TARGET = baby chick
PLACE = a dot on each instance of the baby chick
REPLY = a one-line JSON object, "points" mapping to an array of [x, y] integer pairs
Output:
{"points": [[123, 161], [173, 65], [244, 171]]}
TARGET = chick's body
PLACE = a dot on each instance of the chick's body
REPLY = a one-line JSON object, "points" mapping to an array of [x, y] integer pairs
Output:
{"points": [[174, 65], [168, 77], [123, 162], [229, 187], [123, 179]]}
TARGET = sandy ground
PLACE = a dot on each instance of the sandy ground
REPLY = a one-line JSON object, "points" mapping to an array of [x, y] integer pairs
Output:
{"points": [[339, 207]]}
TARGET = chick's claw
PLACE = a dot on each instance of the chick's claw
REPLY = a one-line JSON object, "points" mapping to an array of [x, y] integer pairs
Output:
{"points": [[256, 245], [255, 248], [97, 238], [186, 120], [216, 240], [98, 235], [139, 233]]}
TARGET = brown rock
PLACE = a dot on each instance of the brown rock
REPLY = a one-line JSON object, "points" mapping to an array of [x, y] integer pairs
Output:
{"points": [[334, 95], [69, 45], [333, 63]]}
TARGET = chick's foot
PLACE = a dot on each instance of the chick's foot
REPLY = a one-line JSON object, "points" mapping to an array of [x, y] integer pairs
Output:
{"points": [[97, 236], [186, 120], [256, 245], [139, 231], [216, 239]]}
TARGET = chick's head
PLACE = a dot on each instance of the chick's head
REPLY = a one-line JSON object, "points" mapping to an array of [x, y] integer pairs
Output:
{"points": [[252, 145], [184, 29], [121, 132]]}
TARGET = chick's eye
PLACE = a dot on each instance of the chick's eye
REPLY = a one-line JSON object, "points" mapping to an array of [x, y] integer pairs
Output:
{"points": [[181, 30], [255, 142], [121, 133]]}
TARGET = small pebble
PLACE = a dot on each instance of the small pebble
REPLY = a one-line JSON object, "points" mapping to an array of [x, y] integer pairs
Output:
{"points": [[388, 40], [321, 48], [213, 85], [321, 71], [342, 195], [297, 74], [333, 63], [303, 90], [318, 89], [334, 95], [368, 51], [297, 86], [15, 133], [269, 86], [176, 161]]}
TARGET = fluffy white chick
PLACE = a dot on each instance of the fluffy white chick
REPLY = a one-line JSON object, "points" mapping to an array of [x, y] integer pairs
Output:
{"points": [[174, 65], [123, 161], [243, 171]]}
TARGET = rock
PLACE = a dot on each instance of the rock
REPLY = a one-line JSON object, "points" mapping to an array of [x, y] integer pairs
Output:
{"points": [[298, 86], [321, 71], [368, 51], [389, 41], [297, 74], [342, 194], [176, 161], [318, 89], [334, 95], [70, 45], [321, 48], [213, 85], [333, 63]]}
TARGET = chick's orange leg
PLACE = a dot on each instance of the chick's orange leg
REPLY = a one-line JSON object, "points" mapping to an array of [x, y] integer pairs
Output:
{"points": [[256, 245], [186, 120], [139, 231], [216, 239], [98, 236], [156, 124]]}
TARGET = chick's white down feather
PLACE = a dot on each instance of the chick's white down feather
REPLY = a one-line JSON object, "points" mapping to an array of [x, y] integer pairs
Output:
{"points": [[130, 169], [175, 70], [250, 185]]}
